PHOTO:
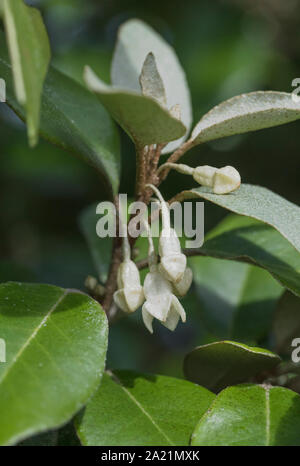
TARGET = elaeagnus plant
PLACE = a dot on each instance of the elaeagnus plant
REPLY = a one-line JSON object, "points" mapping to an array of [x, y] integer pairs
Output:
{"points": [[233, 391]]}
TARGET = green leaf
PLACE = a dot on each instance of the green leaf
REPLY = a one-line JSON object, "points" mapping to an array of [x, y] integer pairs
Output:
{"points": [[100, 248], [246, 112], [142, 117], [259, 203], [73, 119], [286, 324], [135, 40], [30, 55], [254, 415], [138, 409], [247, 240], [236, 300], [223, 363], [56, 344]]}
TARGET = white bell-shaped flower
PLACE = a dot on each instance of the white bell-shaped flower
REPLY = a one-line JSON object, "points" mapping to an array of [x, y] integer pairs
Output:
{"points": [[173, 262], [130, 295], [222, 180], [172, 313], [160, 302], [182, 287]]}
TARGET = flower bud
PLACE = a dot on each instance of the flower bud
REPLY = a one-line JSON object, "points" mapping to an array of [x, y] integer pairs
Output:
{"points": [[99, 290], [204, 175], [128, 275], [130, 295], [172, 262], [222, 180], [90, 283], [226, 180]]}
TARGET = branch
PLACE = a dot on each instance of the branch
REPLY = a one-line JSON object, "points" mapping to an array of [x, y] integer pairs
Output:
{"points": [[179, 197], [176, 156], [155, 159], [141, 168], [111, 282]]}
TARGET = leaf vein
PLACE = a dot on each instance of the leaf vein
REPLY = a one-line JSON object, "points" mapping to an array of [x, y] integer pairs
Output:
{"points": [[138, 404]]}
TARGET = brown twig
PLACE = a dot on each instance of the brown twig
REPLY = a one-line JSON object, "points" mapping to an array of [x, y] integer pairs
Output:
{"points": [[156, 157], [175, 157], [111, 282], [183, 195], [110, 286], [141, 169]]}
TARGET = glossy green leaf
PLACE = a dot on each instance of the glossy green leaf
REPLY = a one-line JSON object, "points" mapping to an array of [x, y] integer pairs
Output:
{"points": [[236, 300], [246, 112], [142, 117], [247, 240], [259, 203], [73, 119], [30, 55], [217, 365], [100, 248], [253, 415], [286, 323], [135, 40], [138, 409], [56, 342]]}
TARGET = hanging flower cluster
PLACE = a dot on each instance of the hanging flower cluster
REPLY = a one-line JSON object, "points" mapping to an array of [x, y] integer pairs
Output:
{"points": [[164, 281]]}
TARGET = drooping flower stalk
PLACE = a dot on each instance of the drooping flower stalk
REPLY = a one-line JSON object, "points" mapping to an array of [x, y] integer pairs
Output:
{"points": [[181, 287], [173, 262]]}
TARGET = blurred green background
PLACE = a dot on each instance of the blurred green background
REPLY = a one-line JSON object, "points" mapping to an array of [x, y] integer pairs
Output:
{"points": [[226, 47]]}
